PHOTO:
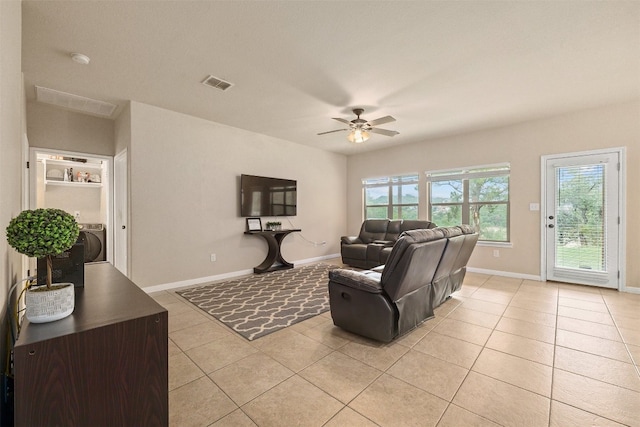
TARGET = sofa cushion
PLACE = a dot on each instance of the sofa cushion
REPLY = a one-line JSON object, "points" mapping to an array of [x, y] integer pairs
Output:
{"points": [[368, 281], [460, 265], [412, 261], [393, 230], [350, 240], [355, 251], [451, 231], [414, 224], [374, 251], [373, 229], [387, 243], [441, 279]]}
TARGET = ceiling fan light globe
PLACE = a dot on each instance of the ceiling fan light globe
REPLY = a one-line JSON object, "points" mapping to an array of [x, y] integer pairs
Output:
{"points": [[358, 136]]}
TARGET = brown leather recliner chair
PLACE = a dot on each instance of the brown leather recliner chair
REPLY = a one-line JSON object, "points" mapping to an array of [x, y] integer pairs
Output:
{"points": [[424, 268], [372, 246], [387, 304]]}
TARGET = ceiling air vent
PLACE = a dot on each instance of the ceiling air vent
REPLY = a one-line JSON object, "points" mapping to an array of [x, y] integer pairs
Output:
{"points": [[216, 83], [74, 102]]}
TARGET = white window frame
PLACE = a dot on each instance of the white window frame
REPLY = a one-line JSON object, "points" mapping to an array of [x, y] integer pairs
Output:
{"points": [[464, 174], [390, 182]]}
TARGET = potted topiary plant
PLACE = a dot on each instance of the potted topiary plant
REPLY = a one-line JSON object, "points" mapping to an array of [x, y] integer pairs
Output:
{"points": [[45, 233]]}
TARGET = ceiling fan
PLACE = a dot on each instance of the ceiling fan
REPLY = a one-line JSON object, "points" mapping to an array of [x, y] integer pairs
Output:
{"points": [[360, 128]]}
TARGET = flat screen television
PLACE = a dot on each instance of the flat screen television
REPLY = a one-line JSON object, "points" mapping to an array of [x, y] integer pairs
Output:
{"points": [[264, 196]]}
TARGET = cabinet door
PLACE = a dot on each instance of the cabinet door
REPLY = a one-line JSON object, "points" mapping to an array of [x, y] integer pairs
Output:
{"points": [[108, 376]]}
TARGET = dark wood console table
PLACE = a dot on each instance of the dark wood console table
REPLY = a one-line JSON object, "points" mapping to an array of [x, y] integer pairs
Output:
{"points": [[274, 260], [104, 365]]}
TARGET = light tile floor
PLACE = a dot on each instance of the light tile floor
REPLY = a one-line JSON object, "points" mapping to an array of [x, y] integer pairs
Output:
{"points": [[500, 352]]}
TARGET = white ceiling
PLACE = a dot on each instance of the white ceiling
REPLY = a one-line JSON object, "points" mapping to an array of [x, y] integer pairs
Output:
{"points": [[438, 67]]}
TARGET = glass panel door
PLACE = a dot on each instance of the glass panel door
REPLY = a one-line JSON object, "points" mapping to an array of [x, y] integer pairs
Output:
{"points": [[582, 219]]}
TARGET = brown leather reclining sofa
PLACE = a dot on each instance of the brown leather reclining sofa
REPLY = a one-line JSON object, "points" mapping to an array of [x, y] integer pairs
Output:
{"points": [[424, 268], [372, 246]]}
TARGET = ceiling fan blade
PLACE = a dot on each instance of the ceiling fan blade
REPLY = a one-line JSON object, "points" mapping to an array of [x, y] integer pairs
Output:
{"points": [[384, 131], [345, 121], [381, 121], [332, 131]]}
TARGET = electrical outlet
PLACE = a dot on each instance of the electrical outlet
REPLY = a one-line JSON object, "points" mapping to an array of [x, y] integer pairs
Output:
{"points": [[496, 253], [76, 215], [213, 257]]}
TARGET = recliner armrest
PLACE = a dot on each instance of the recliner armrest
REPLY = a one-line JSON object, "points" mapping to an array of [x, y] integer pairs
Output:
{"points": [[367, 281], [350, 240]]}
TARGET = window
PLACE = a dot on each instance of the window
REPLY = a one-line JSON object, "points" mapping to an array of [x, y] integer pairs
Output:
{"points": [[477, 196], [394, 197]]}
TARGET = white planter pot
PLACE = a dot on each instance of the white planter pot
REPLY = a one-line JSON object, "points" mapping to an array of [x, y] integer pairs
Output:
{"points": [[48, 306]]}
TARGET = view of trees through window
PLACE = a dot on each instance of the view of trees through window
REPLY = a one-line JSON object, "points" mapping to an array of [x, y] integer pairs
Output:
{"points": [[478, 197], [580, 221], [391, 197]]}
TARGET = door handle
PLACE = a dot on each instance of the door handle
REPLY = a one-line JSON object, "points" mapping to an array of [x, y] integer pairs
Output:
{"points": [[124, 226], [550, 225]]}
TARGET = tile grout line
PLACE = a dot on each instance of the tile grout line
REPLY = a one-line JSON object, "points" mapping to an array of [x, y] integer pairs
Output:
{"points": [[476, 359], [554, 368], [553, 358], [408, 346], [624, 341]]}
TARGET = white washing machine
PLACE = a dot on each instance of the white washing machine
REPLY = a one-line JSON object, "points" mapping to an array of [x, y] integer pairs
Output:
{"points": [[93, 236]]}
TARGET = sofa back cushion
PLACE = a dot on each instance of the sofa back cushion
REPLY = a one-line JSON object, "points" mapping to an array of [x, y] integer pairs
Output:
{"points": [[412, 262], [393, 230], [455, 240], [373, 229], [460, 265], [441, 278], [414, 224]]}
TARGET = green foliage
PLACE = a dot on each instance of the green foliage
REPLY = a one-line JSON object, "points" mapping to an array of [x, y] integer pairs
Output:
{"points": [[447, 216], [586, 257], [580, 205], [478, 201], [404, 201], [377, 212], [42, 232]]}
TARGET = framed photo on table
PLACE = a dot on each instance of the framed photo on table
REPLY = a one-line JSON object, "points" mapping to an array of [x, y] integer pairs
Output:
{"points": [[254, 224]]}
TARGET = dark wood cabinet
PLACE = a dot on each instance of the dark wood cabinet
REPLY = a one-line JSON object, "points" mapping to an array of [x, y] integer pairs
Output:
{"points": [[105, 365]]}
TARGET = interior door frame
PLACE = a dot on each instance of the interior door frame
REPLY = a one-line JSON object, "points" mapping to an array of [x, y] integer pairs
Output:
{"points": [[121, 200], [622, 253], [107, 183], [26, 196]]}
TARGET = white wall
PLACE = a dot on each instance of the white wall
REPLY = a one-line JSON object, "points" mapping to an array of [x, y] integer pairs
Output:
{"points": [[122, 130], [522, 145], [184, 182], [11, 131], [60, 129]]}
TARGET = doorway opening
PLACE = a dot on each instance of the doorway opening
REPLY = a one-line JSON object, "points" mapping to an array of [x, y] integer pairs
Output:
{"points": [[80, 184], [583, 226]]}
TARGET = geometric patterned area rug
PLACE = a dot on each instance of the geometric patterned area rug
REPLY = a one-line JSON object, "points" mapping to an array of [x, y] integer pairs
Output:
{"points": [[260, 304]]}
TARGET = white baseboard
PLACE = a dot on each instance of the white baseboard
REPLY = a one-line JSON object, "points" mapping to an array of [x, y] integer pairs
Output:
{"points": [[504, 274], [196, 281], [631, 290], [230, 275], [316, 259]]}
